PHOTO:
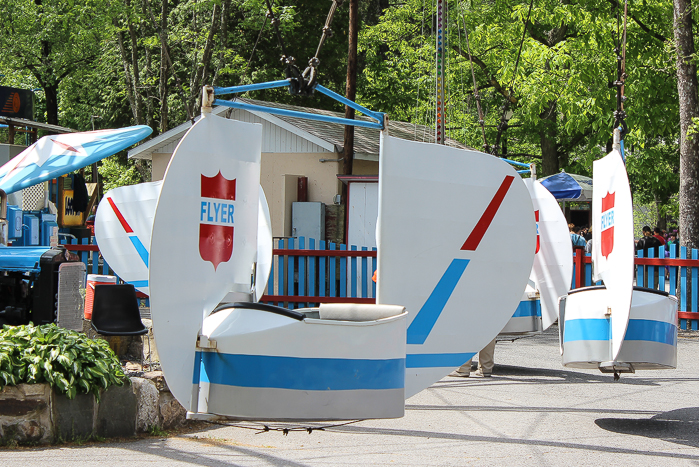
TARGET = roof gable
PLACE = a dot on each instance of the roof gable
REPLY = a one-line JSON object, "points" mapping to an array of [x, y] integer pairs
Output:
{"points": [[303, 135]]}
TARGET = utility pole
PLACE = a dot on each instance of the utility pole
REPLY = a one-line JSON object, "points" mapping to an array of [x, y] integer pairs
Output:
{"points": [[351, 90]]}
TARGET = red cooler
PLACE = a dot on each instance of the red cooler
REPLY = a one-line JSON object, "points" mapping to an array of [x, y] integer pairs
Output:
{"points": [[92, 281]]}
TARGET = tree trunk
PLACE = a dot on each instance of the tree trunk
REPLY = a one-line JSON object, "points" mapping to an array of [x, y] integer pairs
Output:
{"points": [[51, 85], [163, 88], [51, 92], [138, 101], [547, 135], [225, 9], [201, 74], [689, 147], [127, 72]]}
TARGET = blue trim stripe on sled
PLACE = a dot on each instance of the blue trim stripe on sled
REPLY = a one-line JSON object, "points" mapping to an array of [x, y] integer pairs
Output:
{"points": [[528, 308], [638, 330], [306, 374], [438, 360]]}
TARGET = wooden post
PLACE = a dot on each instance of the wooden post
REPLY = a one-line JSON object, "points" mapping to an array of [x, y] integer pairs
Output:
{"points": [[578, 253]]}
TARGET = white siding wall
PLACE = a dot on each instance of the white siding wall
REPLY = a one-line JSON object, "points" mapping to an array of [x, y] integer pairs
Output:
{"points": [[277, 139]]}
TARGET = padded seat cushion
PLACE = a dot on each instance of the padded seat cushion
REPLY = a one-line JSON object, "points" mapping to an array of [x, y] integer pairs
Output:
{"points": [[358, 312]]}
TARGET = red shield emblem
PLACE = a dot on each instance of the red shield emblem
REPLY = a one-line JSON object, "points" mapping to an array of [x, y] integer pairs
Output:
{"points": [[216, 219], [538, 237], [607, 225]]}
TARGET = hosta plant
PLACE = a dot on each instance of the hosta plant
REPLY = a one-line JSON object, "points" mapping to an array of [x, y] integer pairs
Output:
{"points": [[67, 360]]}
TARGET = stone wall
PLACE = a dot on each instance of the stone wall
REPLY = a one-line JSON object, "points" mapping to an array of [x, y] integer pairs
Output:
{"points": [[35, 414]]}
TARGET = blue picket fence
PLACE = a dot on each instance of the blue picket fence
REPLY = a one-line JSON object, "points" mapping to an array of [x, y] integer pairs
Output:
{"points": [[306, 272], [676, 274]]}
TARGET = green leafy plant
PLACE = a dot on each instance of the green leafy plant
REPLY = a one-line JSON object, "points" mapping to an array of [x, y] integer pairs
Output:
{"points": [[67, 360]]}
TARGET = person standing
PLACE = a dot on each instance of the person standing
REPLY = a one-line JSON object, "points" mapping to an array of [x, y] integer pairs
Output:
{"points": [[486, 362], [673, 241], [577, 239], [647, 242], [657, 233]]}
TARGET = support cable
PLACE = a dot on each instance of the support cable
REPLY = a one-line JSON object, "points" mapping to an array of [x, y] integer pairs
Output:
{"points": [[521, 43], [264, 23], [303, 83], [481, 119], [620, 52], [292, 70]]}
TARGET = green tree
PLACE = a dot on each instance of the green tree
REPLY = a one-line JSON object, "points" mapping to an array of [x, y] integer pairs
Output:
{"points": [[556, 90], [50, 40]]}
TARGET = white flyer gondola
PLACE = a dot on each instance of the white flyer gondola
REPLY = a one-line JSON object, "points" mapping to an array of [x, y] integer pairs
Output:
{"points": [[552, 271], [616, 327], [339, 361]]}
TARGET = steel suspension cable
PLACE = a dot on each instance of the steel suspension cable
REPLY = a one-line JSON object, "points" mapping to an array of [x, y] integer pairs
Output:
{"points": [[481, 118], [521, 43]]}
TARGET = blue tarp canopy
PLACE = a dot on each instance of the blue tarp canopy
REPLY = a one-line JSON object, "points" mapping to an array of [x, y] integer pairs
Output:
{"points": [[568, 187]]}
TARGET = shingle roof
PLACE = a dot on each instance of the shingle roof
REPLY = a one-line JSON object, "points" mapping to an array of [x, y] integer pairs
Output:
{"points": [[366, 140]]}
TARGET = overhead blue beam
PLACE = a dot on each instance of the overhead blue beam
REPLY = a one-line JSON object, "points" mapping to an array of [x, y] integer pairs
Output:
{"points": [[378, 116], [342, 99], [521, 164], [294, 113], [251, 87]]}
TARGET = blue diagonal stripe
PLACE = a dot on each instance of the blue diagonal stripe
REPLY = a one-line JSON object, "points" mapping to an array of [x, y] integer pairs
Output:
{"points": [[142, 251], [428, 315]]}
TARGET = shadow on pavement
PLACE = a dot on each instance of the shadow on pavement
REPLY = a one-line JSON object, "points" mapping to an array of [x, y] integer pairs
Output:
{"points": [[519, 441], [515, 374], [679, 426]]}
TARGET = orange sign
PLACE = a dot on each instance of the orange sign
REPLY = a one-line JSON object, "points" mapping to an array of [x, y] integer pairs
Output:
{"points": [[18, 103]]}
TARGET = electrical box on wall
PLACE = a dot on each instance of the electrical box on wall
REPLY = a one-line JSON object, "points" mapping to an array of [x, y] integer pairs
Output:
{"points": [[31, 230], [49, 229], [14, 222], [308, 220]]}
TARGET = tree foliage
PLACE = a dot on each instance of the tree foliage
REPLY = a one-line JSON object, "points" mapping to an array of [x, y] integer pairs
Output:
{"points": [[549, 103], [542, 70]]}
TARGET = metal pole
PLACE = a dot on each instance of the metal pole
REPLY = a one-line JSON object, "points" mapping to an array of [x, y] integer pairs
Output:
{"points": [[351, 89], [440, 61]]}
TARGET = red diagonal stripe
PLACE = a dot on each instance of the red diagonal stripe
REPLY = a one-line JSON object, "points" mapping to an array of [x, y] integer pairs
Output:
{"points": [[64, 145], [124, 224], [484, 222]]}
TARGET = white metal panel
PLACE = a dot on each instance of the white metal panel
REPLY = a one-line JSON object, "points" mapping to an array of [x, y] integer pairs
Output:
{"points": [[432, 198], [553, 262], [123, 226], [196, 257], [612, 239]]}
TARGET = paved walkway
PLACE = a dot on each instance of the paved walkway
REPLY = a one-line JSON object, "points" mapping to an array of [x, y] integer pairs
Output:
{"points": [[531, 412]]}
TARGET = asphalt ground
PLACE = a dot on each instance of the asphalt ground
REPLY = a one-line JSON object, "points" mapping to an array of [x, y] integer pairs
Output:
{"points": [[533, 411]]}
